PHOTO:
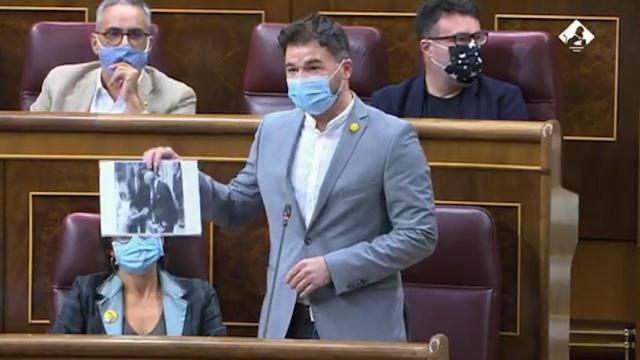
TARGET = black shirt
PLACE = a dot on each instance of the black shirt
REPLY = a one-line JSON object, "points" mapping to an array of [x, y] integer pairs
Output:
{"points": [[437, 107]]}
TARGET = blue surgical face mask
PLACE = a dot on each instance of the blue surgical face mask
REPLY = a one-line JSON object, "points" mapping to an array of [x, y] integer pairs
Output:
{"points": [[122, 53], [138, 254], [313, 95]]}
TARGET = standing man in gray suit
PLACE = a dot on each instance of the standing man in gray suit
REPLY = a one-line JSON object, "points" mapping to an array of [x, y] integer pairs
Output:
{"points": [[347, 193]]}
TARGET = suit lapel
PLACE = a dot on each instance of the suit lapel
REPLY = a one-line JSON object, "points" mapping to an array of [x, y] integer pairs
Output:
{"points": [[346, 145], [80, 98], [110, 305], [145, 87], [173, 304]]}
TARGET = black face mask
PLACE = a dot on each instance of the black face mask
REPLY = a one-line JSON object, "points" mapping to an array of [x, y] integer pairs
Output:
{"points": [[465, 63]]}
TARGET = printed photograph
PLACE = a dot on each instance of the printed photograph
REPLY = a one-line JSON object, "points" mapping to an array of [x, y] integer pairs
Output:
{"points": [[136, 200]]}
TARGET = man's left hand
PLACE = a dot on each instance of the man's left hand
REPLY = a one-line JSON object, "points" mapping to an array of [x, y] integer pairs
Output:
{"points": [[124, 82], [308, 275]]}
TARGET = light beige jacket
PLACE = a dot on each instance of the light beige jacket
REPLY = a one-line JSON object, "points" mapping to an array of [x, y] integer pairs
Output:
{"points": [[70, 88]]}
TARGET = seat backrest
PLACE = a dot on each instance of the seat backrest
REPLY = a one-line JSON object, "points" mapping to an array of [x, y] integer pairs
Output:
{"points": [[525, 59], [456, 291], [80, 252], [265, 85], [51, 44]]}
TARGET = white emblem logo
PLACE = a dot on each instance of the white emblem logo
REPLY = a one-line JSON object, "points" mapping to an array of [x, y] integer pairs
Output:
{"points": [[576, 36]]}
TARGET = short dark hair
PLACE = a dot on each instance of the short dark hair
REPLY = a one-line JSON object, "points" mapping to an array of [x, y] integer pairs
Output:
{"points": [[432, 11], [323, 29]]}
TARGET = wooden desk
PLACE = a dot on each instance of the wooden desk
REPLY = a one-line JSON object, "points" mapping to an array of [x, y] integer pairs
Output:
{"points": [[123, 347], [48, 164]]}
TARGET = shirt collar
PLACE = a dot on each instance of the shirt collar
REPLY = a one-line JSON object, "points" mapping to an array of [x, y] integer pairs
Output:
{"points": [[335, 123]]}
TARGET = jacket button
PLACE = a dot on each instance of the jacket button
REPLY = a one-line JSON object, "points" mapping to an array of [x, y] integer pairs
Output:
{"points": [[307, 240]]}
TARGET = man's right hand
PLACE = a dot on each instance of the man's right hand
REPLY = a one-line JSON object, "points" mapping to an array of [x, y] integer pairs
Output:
{"points": [[153, 156]]}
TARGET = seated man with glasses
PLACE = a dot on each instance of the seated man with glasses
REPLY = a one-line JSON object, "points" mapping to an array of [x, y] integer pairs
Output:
{"points": [[121, 81], [451, 85]]}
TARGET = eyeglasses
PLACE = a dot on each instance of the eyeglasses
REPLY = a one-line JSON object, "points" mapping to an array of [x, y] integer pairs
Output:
{"points": [[114, 36], [479, 37]]}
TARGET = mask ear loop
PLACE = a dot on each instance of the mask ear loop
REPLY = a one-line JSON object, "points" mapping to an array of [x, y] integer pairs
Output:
{"points": [[147, 48], [98, 41], [337, 68], [441, 66], [334, 73]]}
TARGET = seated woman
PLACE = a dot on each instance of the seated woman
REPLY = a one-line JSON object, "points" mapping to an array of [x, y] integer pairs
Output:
{"points": [[137, 297]]}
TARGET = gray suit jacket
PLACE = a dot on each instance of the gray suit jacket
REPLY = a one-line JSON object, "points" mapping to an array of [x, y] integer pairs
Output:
{"points": [[374, 217], [71, 88]]}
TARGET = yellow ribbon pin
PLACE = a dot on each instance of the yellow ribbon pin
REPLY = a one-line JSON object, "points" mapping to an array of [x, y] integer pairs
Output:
{"points": [[110, 316], [354, 127]]}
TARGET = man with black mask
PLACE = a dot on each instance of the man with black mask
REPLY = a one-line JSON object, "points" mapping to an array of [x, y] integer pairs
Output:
{"points": [[451, 85]]}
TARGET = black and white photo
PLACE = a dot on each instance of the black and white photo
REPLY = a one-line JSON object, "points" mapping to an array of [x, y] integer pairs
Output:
{"points": [[136, 200]]}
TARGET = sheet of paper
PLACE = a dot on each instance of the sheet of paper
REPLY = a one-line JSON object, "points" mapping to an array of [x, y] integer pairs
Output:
{"points": [[135, 200]]}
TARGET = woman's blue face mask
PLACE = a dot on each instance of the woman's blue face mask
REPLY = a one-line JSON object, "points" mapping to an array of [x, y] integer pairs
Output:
{"points": [[313, 94], [138, 254]]}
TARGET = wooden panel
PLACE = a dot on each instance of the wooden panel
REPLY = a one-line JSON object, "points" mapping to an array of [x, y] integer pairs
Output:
{"points": [[46, 213], [395, 18], [301, 8], [214, 69], [38, 176], [275, 10], [603, 272], [597, 74], [588, 78], [239, 254], [15, 22], [588, 165], [508, 223]]}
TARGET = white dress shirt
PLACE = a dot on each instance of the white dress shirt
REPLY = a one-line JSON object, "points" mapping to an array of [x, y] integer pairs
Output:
{"points": [[103, 103], [313, 155]]}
